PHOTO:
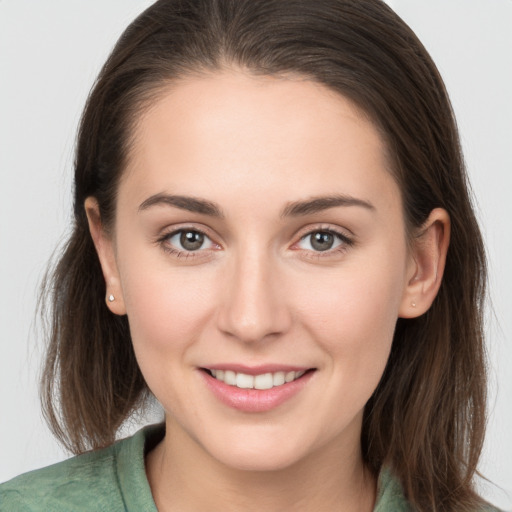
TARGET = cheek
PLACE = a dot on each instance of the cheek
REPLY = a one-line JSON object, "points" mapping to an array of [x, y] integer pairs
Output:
{"points": [[166, 308], [352, 315]]}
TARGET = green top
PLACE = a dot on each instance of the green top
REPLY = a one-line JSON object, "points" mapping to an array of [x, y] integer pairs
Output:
{"points": [[114, 479]]}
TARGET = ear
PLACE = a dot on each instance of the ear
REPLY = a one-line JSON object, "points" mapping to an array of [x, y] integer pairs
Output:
{"points": [[106, 253], [426, 264]]}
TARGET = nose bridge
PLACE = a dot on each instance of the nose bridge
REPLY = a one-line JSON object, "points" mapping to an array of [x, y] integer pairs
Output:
{"points": [[253, 307]]}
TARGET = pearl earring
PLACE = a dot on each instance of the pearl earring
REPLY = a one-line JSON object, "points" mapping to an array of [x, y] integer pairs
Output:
{"points": [[111, 298], [413, 304]]}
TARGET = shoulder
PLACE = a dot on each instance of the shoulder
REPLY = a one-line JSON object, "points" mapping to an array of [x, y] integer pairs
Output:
{"points": [[64, 486], [93, 481], [391, 498], [489, 508]]}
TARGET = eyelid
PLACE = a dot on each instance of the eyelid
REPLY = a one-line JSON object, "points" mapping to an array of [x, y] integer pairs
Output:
{"points": [[344, 233], [176, 228]]}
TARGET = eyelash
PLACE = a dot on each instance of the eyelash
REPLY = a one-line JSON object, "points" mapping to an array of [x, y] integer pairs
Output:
{"points": [[345, 243]]}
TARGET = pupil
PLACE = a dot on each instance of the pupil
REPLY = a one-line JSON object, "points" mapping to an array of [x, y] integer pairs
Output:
{"points": [[322, 241], [191, 240]]}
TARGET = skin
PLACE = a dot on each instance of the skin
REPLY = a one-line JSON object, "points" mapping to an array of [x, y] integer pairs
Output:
{"points": [[258, 291]]}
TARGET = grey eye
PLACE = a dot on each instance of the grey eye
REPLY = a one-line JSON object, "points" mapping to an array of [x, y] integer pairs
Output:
{"points": [[320, 241], [190, 240]]}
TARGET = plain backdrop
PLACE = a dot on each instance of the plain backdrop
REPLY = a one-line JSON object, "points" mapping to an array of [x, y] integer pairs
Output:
{"points": [[50, 53]]}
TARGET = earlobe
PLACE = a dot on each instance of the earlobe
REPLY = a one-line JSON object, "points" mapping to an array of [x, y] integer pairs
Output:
{"points": [[105, 249], [426, 266]]}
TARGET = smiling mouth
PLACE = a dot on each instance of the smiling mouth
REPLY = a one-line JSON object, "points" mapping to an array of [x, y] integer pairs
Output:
{"points": [[261, 381]]}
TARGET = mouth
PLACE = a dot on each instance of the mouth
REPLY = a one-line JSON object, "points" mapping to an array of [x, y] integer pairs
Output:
{"points": [[262, 381], [257, 389]]}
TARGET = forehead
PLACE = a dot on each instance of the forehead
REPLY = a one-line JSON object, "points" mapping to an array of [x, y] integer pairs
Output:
{"points": [[255, 134]]}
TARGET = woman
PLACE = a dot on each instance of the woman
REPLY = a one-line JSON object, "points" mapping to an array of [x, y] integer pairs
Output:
{"points": [[274, 237]]}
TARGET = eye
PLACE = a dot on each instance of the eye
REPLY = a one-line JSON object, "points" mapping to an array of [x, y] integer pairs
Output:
{"points": [[323, 240], [188, 240]]}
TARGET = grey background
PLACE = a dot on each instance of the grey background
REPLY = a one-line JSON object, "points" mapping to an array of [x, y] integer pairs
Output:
{"points": [[50, 53]]}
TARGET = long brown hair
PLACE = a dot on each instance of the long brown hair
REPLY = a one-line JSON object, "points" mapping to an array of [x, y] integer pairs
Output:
{"points": [[426, 419]]}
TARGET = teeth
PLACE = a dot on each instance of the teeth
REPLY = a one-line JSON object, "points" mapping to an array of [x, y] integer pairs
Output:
{"points": [[278, 379], [262, 381], [244, 381], [229, 377]]}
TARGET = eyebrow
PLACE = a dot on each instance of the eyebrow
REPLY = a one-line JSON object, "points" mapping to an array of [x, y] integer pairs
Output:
{"points": [[191, 204], [294, 209], [318, 204]]}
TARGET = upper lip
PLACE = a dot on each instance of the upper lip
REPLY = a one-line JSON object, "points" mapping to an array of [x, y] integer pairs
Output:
{"points": [[257, 370]]}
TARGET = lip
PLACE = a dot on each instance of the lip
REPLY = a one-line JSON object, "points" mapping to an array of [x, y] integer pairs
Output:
{"points": [[255, 400]]}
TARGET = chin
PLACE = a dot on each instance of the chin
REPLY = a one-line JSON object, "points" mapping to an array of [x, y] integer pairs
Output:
{"points": [[273, 455], [260, 463]]}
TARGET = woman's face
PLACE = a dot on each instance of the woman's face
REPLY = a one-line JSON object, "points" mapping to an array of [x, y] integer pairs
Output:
{"points": [[260, 233]]}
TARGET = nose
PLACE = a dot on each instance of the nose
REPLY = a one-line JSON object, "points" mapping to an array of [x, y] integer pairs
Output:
{"points": [[254, 307]]}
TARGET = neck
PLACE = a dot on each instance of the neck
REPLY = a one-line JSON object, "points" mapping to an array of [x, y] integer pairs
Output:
{"points": [[184, 477]]}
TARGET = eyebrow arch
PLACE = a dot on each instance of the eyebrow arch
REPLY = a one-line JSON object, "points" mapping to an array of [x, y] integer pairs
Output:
{"points": [[191, 204], [294, 209], [317, 204]]}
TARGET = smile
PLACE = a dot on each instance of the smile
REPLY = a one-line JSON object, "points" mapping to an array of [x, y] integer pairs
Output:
{"points": [[261, 381], [256, 390]]}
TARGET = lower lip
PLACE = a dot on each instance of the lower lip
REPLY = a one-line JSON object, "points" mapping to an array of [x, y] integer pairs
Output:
{"points": [[255, 400]]}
